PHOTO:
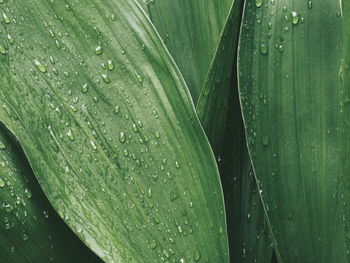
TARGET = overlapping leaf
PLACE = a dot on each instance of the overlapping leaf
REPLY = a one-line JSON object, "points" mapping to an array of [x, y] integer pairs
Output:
{"points": [[109, 128], [219, 112], [191, 31], [30, 230], [289, 60]]}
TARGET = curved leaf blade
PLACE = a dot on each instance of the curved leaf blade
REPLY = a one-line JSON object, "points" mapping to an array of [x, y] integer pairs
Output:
{"points": [[116, 144], [289, 61], [31, 231], [191, 31], [220, 115]]}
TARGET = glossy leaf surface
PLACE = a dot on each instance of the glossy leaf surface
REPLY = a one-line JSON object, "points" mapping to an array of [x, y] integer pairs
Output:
{"points": [[108, 125], [290, 56], [30, 229], [191, 31]]}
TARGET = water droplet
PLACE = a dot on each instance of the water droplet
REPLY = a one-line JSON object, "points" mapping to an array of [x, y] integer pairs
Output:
{"points": [[58, 44], [70, 135], [116, 109], [98, 50], [309, 4], [197, 255], [8, 208], [126, 152], [40, 66], [265, 141], [110, 65], [263, 49], [106, 78], [85, 88], [122, 137], [2, 50], [25, 237], [138, 76], [6, 18], [28, 193], [153, 244], [2, 183], [46, 214], [258, 3], [295, 17], [52, 34], [10, 39], [281, 48], [93, 145]]}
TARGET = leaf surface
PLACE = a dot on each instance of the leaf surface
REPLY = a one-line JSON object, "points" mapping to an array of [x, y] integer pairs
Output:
{"points": [[191, 31], [109, 127], [218, 109], [290, 55], [31, 231]]}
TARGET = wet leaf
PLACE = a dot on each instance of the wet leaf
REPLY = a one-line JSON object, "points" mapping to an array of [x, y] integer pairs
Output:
{"points": [[191, 31], [289, 60], [30, 229], [108, 125]]}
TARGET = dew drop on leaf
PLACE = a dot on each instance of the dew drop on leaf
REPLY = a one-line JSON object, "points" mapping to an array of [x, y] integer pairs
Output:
{"points": [[98, 50], [2, 183], [122, 137], [6, 18], [258, 3], [295, 17], [84, 88], [106, 78], [40, 66], [2, 50]]}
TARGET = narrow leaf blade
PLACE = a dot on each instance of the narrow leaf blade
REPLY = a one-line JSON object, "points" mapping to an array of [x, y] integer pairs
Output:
{"points": [[289, 61]]}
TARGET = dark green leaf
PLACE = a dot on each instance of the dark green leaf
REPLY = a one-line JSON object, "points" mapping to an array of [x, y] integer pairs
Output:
{"points": [[109, 128], [289, 61], [220, 114]]}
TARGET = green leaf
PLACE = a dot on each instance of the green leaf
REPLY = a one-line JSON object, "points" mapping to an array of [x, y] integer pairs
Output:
{"points": [[108, 125], [191, 31], [30, 229], [346, 114], [289, 61], [249, 233], [212, 105], [220, 114]]}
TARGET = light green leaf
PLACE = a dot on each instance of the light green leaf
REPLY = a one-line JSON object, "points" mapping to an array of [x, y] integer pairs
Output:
{"points": [[290, 55], [110, 130], [30, 229], [191, 31]]}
